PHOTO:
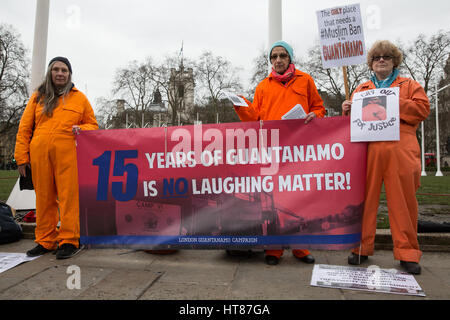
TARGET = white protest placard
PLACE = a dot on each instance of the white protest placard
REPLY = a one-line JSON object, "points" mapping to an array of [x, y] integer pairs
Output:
{"points": [[10, 260], [366, 279], [235, 99], [341, 36], [296, 112], [375, 115]]}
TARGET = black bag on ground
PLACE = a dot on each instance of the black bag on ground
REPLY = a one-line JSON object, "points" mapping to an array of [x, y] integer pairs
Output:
{"points": [[10, 230], [26, 183], [428, 227]]}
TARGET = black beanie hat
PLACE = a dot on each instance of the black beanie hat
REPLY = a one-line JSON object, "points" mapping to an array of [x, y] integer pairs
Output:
{"points": [[63, 60]]}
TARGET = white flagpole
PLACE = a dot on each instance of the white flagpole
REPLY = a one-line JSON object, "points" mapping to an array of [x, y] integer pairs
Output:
{"points": [[424, 173], [39, 44], [275, 24], [438, 151]]}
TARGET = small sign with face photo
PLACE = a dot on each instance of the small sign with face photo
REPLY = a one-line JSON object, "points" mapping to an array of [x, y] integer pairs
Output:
{"points": [[375, 115]]}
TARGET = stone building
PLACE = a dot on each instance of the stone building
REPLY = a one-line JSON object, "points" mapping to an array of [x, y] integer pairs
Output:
{"points": [[181, 95], [121, 118]]}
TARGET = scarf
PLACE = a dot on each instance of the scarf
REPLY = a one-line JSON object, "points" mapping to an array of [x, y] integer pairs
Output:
{"points": [[386, 83], [287, 76]]}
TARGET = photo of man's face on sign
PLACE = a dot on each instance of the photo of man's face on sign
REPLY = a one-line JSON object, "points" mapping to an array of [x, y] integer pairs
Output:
{"points": [[374, 109]]}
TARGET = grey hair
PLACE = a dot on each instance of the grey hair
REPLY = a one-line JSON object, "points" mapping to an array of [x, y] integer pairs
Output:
{"points": [[50, 94]]}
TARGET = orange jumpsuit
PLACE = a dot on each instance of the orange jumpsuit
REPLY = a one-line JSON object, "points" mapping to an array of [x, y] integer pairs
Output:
{"points": [[51, 150], [397, 164], [273, 100]]}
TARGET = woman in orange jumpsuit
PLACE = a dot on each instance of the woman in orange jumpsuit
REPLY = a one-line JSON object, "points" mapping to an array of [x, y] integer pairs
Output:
{"points": [[45, 141], [284, 89], [394, 163]]}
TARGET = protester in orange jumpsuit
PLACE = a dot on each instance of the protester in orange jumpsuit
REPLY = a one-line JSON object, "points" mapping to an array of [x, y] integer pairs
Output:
{"points": [[396, 163], [284, 89], [45, 140]]}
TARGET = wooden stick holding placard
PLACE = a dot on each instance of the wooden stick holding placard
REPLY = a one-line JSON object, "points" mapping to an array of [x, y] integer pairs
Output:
{"points": [[347, 93]]}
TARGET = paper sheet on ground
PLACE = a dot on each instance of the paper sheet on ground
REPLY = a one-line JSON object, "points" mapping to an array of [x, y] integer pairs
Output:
{"points": [[236, 100], [366, 279], [10, 260]]}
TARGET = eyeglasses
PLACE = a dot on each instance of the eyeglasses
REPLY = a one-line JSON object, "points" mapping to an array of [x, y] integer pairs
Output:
{"points": [[281, 55], [385, 58]]}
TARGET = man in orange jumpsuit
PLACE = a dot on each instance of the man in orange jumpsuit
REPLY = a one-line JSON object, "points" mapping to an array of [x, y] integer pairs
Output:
{"points": [[284, 89], [45, 140], [396, 163]]}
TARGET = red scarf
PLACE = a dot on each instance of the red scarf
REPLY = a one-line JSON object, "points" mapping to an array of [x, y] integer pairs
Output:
{"points": [[287, 76]]}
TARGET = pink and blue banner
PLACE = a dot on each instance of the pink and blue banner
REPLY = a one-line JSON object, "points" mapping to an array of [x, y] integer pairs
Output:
{"points": [[271, 184]]}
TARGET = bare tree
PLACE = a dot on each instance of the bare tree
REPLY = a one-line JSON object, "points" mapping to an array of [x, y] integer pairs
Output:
{"points": [[216, 75], [135, 85], [175, 79], [145, 88], [424, 61], [331, 81], [444, 111], [106, 112], [260, 71], [425, 58], [14, 77]]}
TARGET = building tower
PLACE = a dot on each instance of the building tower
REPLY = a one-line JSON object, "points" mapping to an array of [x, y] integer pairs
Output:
{"points": [[181, 94]]}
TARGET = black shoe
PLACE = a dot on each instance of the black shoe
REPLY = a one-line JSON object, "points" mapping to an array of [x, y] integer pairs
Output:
{"points": [[271, 260], [68, 250], [239, 253], [37, 251], [307, 259], [411, 267], [162, 252], [356, 259]]}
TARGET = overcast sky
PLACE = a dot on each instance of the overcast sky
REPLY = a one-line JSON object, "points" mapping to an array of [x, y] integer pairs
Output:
{"points": [[99, 36]]}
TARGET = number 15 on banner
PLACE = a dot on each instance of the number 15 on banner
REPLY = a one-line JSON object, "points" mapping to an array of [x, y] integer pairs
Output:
{"points": [[120, 168]]}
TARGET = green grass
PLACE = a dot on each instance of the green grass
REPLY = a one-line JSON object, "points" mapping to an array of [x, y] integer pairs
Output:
{"points": [[383, 220], [434, 185], [8, 179], [433, 190]]}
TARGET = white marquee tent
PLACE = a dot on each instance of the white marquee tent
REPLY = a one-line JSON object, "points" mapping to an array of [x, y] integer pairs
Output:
{"points": [[21, 200]]}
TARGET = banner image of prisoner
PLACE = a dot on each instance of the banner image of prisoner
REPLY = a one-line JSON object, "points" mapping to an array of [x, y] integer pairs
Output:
{"points": [[374, 109]]}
